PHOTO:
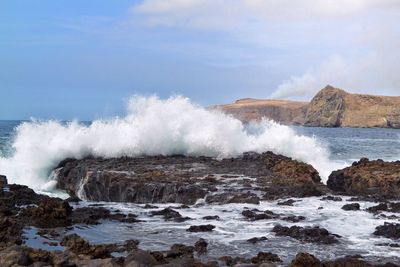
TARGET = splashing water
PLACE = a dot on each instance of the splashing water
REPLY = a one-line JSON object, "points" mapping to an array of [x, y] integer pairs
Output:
{"points": [[152, 127]]}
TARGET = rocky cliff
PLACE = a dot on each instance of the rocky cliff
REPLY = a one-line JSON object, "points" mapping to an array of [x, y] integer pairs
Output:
{"points": [[330, 107]]}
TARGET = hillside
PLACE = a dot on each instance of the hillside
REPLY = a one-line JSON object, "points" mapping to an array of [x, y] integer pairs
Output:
{"points": [[330, 107]]}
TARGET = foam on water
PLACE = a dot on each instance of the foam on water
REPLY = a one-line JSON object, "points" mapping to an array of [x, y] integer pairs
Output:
{"points": [[151, 127]]}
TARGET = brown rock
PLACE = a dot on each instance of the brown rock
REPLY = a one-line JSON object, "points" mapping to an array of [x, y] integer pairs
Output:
{"points": [[366, 177], [305, 260], [330, 107]]}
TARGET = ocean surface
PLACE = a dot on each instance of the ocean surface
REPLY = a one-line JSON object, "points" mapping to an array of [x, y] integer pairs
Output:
{"points": [[29, 151]]}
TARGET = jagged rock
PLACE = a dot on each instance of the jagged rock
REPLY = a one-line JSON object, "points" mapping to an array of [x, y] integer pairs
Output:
{"points": [[232, 197], [201, 246], [3, 181], [366, 177], [265, 257], [387, 206], [78, 245], [255, 215], [162, 179], [389, 230], [170, 215], [307, 234], [50, 213], [305, 260], [332, 198]]}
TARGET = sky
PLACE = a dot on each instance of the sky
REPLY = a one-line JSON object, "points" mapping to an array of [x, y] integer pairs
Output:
{"points": [[72, 59]]}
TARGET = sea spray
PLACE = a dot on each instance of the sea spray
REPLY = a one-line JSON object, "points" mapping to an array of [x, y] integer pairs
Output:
{"points": [[151, 127]]}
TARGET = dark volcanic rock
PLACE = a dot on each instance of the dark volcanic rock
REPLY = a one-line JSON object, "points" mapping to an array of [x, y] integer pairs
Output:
{"points": [[201, 228], [170, 215], [265, 257], [255, 215], [387, 206], [307, 234], [366, 177], [180, 179], [201, 246], [211, 217], [352, 206], [305, 260], [50, 213], [332, 198], [288, 202], [255, 240], [3, 181], [232, 197], [389, 230]]}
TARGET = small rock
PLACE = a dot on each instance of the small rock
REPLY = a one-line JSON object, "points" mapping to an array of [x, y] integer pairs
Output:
{"points": [[255, 240], [265, 257], [201, 228], [288, 202], [352, 206], [201, 246], [305, 260]]}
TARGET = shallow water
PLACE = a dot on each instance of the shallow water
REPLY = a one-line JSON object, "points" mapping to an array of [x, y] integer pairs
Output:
{"points": [[232, 229]]}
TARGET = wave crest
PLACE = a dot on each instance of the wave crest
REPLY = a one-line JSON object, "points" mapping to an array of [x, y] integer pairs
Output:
{"points": [[151, 127]]}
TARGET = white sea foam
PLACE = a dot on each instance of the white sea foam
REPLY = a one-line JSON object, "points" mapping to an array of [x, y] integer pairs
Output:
{"points": [[153, 126]]}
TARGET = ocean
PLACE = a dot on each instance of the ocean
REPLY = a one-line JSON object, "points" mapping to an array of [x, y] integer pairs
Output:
{"points": [[31, 149]]}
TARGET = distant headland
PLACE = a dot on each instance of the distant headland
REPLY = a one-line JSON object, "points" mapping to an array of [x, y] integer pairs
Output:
{"points": [[330, 107]]}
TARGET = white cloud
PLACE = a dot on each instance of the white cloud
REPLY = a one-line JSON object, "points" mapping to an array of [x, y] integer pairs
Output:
{"points": [[355, 41], [223, 14]]}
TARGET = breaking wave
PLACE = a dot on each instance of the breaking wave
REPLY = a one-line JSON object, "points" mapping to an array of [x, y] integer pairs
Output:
{"points": [[151, 127]]}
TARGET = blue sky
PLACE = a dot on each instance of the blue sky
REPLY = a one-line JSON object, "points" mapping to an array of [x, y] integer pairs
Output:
{"points": [[83, 59]]}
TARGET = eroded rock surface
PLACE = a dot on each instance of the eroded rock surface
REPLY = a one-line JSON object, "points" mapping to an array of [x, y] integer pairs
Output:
{"points": [[179, 179], [368, 177]]}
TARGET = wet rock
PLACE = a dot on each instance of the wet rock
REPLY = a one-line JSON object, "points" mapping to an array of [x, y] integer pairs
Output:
{"points": [[180, 179], [332, 198], [179, 250], [201, 246], [148, 206], [386, 206], [305, 260], [232, 261], [352, 206], [201, 228], [231, 197], [74, 199], [140, 257], [293, 218], [3, 181], [170, 215], [254, 215], [50, 213], [78, 245], [255, 240], [389, 230], [288, 202], [366, 177], [265, 257], [307, 234], [14, 256], [210, 217]]}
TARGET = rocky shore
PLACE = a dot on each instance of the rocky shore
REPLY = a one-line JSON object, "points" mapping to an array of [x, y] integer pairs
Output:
{"points": [[190, 183]]}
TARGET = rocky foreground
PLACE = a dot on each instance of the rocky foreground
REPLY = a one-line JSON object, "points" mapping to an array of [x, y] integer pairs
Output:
{"points": [[330, 107], [190, 181]]}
